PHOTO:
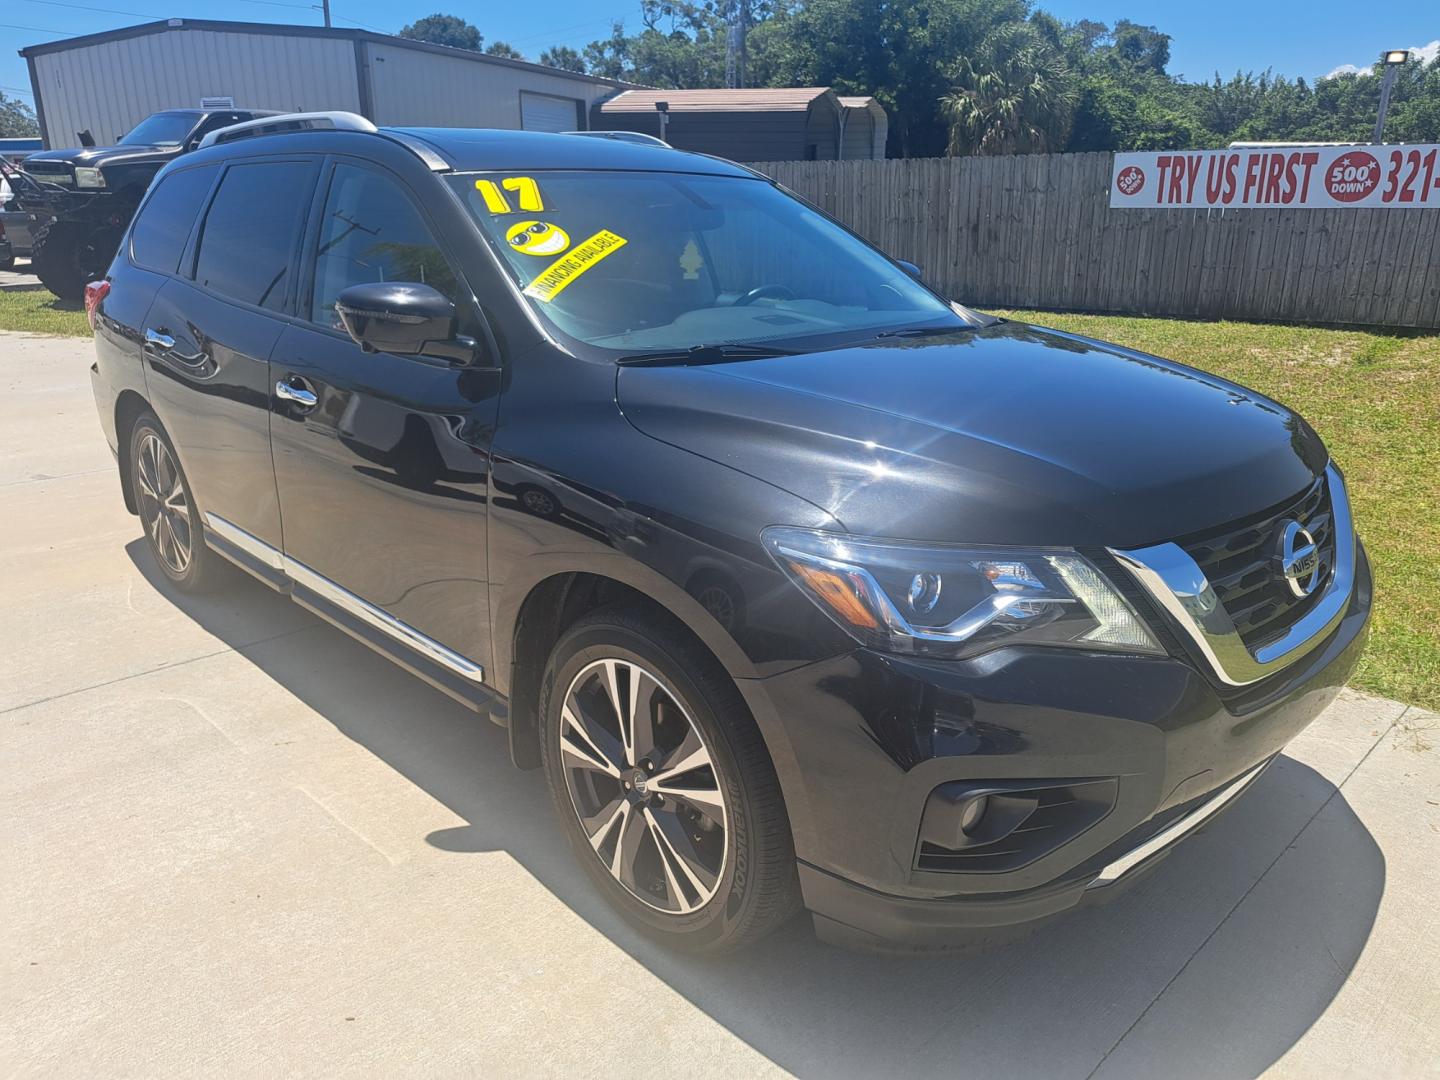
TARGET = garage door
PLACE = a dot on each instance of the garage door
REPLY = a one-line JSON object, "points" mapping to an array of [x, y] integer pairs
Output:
{"points": [[541, 112]]}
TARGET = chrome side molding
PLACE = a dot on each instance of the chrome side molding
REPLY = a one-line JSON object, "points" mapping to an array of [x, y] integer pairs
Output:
{"points": [[1179, 587], [1176, 829], [344, 599]]}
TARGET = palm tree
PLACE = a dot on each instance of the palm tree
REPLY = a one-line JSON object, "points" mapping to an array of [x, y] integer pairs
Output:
{"points": [[1015, 95]]}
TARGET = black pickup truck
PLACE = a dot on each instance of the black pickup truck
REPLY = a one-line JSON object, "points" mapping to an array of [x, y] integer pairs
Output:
{"points": [[84, 197]]}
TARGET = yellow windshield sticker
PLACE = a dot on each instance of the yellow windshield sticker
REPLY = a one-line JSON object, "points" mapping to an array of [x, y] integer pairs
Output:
{"points": [[537, 238], [525, 189], [527, 192], [556, 277], [495, 200]]}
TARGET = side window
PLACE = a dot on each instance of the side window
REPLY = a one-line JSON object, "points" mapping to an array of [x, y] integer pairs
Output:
{"points": [[370, 231], [158, 238], [250, 231]]}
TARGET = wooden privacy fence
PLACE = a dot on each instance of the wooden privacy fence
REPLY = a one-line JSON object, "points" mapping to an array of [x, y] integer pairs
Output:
{"points": [[1037, 231]]}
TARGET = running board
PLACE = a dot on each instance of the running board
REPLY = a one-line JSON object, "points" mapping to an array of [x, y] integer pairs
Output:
{"points": [[442, 667]]}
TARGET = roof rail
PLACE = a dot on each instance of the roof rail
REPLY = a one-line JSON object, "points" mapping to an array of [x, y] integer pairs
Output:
{"points": [[622, 136], [274, 125]]}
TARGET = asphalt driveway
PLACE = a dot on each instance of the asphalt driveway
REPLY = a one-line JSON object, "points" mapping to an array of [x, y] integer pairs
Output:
{"points": [[233, 841]]}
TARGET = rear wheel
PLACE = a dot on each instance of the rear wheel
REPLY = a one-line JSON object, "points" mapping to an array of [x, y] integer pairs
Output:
{"points": [[663, 784], [167, 510]]}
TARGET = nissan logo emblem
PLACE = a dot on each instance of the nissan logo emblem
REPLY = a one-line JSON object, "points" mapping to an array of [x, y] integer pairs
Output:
{"points": [[1299, 559]]}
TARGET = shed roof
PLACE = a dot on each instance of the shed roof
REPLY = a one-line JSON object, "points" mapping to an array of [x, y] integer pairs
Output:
{"points": [[773, 99]]}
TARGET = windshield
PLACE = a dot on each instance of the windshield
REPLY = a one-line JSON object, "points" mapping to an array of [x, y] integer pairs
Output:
{"points": [[162, 129], [653, 261]]}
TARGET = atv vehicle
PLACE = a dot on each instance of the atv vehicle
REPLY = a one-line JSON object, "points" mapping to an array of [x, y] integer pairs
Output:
{"points": [[84, 197]]}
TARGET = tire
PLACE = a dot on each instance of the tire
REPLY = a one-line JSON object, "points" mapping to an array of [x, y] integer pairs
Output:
{"points": [[68, 255], [173, 530], [736, 880]]}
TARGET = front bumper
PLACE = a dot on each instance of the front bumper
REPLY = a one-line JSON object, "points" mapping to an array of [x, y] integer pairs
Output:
{"points": [[862, 741]]}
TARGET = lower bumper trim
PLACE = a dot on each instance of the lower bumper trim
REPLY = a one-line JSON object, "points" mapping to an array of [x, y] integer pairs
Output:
{"points": [[1177, 829]]}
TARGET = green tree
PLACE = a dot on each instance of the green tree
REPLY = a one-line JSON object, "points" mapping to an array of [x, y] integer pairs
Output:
{"points": [[441, 29], [563, 57], [17, 119], [504, 49], [1013, 95], [904, 52]]}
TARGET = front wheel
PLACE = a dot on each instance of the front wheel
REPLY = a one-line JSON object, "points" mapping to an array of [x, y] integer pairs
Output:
{"points": [[68, 255], [663, 784]]}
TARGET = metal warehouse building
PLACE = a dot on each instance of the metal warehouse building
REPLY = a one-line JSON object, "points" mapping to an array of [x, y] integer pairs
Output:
{"points": [[107, 83]]}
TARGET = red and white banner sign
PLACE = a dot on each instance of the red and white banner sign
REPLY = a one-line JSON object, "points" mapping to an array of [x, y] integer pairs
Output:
{"points": [[1281, 177]]}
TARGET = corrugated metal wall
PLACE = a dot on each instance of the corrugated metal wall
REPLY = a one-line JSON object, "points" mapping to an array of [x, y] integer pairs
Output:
{"points": [[425, 88], [112, 86]]}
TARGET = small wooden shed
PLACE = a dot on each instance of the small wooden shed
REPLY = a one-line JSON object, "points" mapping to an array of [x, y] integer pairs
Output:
{"points": [[804, 123]]}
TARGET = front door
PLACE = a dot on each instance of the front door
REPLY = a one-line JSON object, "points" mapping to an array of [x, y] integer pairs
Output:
{"points": [[382, 462]]}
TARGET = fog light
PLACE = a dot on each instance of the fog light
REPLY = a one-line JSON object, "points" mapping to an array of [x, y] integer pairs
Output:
{"points": [[973, 814]]}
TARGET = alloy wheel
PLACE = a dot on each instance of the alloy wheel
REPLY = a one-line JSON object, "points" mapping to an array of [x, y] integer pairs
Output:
{"points": [[644, 786], [164, 510]]}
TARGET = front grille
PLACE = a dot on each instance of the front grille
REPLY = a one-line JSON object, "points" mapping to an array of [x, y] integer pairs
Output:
{"points": [[1240, 562], [49, 172]]}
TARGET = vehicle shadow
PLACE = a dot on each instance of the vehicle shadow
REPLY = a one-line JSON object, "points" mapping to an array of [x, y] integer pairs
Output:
{"points": [[1054, 1004]]}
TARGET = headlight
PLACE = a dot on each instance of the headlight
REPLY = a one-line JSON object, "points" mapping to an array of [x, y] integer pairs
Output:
{"points": [[88, 177], [955, 602]]}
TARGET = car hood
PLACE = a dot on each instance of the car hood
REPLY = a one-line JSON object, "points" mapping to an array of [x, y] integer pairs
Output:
{"points": [[89, 156], [1010, 434]]}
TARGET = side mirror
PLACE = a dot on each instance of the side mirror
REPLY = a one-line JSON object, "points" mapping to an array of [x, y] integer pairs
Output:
{"points": [[911, 269], [404, 318]]}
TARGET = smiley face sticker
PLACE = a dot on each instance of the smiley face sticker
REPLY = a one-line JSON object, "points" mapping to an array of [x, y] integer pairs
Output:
{"points": [[537, 238]]}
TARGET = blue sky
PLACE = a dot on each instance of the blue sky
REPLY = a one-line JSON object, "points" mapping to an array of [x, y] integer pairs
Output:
{"points": [[1294, 37]]}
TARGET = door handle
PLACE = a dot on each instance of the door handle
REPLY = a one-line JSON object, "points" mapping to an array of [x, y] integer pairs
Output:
{"points": [[295, 389], [158, 340]]}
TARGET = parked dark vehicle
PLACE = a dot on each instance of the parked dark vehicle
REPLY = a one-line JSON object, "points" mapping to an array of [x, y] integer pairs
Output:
{"points": [[804, 586], [83, 198], [16, 226]]}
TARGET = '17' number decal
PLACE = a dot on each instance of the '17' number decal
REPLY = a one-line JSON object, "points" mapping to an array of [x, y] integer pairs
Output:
{"points": [[526, 191]]}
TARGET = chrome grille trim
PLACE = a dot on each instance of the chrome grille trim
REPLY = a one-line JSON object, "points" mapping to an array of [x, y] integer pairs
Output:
{"points": [[1179, 588]]}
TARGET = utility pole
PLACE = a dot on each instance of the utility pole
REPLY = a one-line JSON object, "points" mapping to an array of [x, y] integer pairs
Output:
{"points": [[735, 45], [1393, 60], [325, 8]]}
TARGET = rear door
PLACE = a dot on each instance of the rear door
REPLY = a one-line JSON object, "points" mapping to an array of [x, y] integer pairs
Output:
{"points": [[382, 463], [208, 338]]}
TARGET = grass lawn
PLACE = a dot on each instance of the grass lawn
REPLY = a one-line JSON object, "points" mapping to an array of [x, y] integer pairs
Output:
{"points": [[36, 311], [1374, 398]]}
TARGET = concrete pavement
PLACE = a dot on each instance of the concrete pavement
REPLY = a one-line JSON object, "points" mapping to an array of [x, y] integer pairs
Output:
{"points": [[234, 842]]}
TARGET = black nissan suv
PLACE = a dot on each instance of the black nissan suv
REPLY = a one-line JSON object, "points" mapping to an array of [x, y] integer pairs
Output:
{"points": [[804, 586]]}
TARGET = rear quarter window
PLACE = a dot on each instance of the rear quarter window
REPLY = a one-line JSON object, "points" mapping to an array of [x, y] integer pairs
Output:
{"points": [[158, 238]]}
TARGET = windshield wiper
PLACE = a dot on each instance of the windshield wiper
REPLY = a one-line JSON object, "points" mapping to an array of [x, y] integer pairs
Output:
{"points": [[698, 355], [925, 331]]}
